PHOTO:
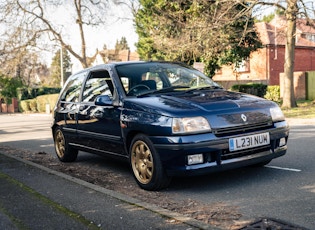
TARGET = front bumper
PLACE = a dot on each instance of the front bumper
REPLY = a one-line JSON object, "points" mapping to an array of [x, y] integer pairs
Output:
{"points": [[173, 152]]}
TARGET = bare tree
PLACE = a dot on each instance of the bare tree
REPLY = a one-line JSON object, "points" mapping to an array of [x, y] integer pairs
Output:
{"points": [[293, 9], [288, 95], [35, 17]]}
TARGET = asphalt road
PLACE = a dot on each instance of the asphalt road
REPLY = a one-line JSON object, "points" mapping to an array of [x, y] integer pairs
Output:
{"points": [[284, 189]]}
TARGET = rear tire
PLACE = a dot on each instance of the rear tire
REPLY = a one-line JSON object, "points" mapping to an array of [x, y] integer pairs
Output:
{"points": [[146, 164], [64, 152]]}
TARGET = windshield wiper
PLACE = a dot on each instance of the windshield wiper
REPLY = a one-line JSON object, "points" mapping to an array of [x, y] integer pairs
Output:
{"points": [[171, 88], [164, 90], [203, 88]]}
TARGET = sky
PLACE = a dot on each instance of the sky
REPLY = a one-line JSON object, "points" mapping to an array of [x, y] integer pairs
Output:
{"points": [[108, 36], [119, 23]]}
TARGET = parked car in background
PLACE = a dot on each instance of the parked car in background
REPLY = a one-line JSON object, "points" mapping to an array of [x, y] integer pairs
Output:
{"points": [[167, 119]]}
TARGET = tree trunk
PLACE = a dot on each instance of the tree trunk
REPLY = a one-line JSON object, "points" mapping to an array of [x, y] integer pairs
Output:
{"points": [[288, 93]]}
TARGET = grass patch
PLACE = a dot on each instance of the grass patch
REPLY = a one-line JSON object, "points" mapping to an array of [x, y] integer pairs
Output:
{"points": [[305, 109]]}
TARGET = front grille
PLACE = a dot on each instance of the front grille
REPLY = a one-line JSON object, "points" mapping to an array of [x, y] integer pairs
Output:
{"points": [[230, 155], [235, 130], [226, 154]]}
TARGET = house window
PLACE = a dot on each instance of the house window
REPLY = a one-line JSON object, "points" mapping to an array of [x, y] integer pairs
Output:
{"points": [[218, 71], [242, 66], [312, 37]]}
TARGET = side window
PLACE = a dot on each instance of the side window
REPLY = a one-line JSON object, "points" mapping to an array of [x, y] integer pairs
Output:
{"points": [[125, 83], [73, 88], [98, 83]]}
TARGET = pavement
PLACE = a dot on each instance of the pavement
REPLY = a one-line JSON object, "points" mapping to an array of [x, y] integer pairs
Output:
{"points": [[35, 197]]}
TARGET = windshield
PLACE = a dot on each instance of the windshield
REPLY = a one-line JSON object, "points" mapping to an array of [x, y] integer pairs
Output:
{"points": [[155, 77]]}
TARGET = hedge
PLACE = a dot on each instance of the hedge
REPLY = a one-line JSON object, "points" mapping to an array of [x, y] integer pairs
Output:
{"points": [[39, 103], [30, 93], [269, 92], [254, 89]]}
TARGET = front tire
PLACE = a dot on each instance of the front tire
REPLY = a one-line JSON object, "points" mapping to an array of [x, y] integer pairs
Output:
{"points": [[146, 164], [64, 152]]}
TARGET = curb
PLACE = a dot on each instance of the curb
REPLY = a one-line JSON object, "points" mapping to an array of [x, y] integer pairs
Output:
{"points": [[119, 196]]}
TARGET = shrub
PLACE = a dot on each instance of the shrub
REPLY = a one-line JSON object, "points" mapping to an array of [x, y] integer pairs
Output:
{"points": [[273, 93], [30, 93], [254, 89], [44, 100], [52, 99], [24, 106], [33, 105], [9, 87], [39, 103]]}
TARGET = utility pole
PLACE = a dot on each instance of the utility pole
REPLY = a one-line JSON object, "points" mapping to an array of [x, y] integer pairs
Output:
{"points": [[61, 68]]}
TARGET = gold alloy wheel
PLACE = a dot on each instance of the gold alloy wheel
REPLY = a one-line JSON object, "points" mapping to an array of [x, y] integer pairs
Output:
{"points": [[60, 143], [142, 162]]}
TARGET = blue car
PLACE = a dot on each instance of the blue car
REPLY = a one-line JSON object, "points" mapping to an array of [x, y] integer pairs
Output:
{"points": [[167, 119]]}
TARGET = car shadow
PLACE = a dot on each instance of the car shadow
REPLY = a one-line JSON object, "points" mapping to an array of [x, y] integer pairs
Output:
{"points": [[228, 180], [220, 181]]}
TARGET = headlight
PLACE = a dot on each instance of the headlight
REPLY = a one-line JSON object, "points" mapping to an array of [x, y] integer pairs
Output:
{"points": [[190, 125], [276, 114]]}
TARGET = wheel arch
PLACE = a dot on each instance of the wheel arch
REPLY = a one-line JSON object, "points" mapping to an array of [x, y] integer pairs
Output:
{"points": [[129, 137], [53, 128]]}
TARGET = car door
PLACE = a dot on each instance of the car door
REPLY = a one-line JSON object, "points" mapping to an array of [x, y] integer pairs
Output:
{"points": [[99, 126], [67, 106]]}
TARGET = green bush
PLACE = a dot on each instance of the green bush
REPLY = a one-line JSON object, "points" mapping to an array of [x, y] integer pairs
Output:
{"points": [[30, 93], [39, 103], [273, 93], [254, 89], [8, 87], [33, 105], [24, 106], [52, 99]]}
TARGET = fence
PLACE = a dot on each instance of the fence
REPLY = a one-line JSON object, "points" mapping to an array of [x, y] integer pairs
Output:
{"points": [[310, 85], [9, 108]]}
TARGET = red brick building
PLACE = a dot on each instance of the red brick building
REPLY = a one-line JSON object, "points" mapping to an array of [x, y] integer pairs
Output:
{"points": [[106, 56], [266, 64], [9, 108]]}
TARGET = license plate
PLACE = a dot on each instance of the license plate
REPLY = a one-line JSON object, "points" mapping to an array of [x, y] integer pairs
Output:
{"points": [[250, 141]]}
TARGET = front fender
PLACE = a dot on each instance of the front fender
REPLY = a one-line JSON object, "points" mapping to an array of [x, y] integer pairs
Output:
{"points": [[147, 123]]}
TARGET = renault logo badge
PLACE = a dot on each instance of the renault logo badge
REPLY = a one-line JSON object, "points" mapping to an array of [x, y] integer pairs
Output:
{"points": [[244, 118]]}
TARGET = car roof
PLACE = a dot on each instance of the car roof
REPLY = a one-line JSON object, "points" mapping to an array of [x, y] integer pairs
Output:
{"points": [[113, 64]]}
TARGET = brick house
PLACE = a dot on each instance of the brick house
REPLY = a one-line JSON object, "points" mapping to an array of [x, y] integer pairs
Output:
{"points": [[266, 64], [106, 56]]}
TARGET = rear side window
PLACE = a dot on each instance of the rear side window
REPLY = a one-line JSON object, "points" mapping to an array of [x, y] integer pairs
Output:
{"points": [[73, 88], [98, 83]]}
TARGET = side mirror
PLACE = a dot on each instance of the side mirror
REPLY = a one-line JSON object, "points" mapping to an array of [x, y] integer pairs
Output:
{"points": [[103, 100]]}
